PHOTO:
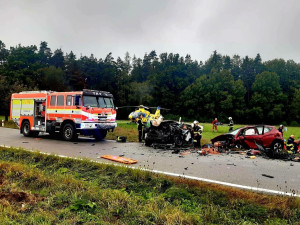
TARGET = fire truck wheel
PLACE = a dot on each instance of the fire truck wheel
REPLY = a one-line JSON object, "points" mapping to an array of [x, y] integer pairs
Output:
{"points": [[100, 134], [69, 133], [26, 129]]}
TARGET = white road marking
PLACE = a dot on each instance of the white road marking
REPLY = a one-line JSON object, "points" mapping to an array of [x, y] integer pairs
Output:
{"points": [[255, 189]]}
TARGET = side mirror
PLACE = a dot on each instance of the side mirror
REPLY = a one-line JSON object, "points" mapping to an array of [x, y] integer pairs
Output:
{"points": [[117, 108]]}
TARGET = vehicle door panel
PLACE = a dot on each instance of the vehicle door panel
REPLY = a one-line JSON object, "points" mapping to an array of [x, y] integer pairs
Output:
{"points": [[252, 137]]}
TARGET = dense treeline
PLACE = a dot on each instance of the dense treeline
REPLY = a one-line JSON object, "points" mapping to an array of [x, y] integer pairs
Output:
{"points": [[247, 89]]}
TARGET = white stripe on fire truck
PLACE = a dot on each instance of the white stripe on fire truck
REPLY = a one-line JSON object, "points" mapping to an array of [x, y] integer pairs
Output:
{"points": [[78, 112]]}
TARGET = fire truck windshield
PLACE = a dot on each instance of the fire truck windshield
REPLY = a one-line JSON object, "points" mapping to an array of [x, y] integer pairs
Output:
{"points": [[95, 101]]}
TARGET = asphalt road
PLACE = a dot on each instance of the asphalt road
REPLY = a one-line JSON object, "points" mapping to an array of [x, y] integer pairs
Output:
{"points": [[232, 168]]}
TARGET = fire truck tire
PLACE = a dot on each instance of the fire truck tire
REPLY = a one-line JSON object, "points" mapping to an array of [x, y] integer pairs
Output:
{"points": [[100, 134], [26, 129], [69, 132]]}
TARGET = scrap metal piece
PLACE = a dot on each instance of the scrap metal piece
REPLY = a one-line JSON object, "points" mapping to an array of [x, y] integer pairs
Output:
{"points": [[119, 159]]}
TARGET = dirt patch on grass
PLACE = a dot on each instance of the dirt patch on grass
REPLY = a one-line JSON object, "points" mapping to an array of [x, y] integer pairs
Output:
{"points": [[20, 197]]}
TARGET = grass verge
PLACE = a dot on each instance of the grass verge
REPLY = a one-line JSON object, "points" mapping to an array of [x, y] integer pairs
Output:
{"points": [[45, 189]]}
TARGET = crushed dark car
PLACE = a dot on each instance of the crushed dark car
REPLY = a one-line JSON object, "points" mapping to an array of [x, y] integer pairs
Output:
{"points": [[169, 132], [261, 137]]}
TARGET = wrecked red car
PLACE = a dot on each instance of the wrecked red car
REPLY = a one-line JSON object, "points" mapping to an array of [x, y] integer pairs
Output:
{"points": [[259, 137]]}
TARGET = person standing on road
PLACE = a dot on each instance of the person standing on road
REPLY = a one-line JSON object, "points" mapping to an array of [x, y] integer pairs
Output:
{"points": [[140, 127], [230, 124], [214, 123], [197, 134]]}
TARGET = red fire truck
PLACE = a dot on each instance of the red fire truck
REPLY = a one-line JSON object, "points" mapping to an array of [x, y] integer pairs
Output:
{"points": [[87, 112]]}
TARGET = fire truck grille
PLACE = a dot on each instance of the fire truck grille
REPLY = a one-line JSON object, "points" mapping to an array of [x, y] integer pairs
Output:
{"points": [[102, 117]]}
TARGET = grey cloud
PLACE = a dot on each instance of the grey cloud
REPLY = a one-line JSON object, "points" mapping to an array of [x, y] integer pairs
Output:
{"points": [[138, 26]]}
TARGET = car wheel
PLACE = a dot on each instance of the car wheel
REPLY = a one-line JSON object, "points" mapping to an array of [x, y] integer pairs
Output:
{"points": [[178, 141], [68, 132], [238, 146], [277, 147], [26, 129]]}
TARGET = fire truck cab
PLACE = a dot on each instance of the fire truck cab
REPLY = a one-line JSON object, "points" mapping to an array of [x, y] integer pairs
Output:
{"points": [[87, 112]]}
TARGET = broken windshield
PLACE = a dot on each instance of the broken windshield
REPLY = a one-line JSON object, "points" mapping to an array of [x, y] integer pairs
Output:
{"points": [[234, 132], [95, 101]]}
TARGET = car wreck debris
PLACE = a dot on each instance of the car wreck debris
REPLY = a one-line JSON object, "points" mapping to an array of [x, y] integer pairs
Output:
{"points": [[168, 133], [266, 175], [265, 138]]}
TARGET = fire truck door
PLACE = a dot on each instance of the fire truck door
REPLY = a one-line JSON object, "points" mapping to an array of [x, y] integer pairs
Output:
{"points": [[16, 111], [76, 108], [70, 109]]}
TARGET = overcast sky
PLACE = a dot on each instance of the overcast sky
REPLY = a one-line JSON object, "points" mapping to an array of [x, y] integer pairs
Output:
{"points": [[268, 27]]}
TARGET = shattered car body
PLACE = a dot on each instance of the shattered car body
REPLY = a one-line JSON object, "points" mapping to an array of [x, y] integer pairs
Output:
{"points": [[252, 137], [169, 132]]}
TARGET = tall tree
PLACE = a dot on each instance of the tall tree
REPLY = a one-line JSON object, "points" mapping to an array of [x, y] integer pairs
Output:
{"points": [[248, 75], [268, 98], [44, 53], [58, 59], [3, 53]]}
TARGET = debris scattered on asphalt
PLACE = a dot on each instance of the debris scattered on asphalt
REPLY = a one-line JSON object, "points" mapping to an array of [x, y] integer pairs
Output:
{"points": [[265, 175], [202, 152], [121, 138], [253, 152], [296, 159], [75, 143], [186, 168], [187, 152], [25, 142], [181, 156], [38, 139], [93, 145], [291, 164], [119, 159], [231, 164], [252, 157], [121, 155], [208, 150]]}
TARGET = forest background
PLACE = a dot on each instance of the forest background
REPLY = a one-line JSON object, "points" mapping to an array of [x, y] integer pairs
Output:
{"points": [[247, 89]]}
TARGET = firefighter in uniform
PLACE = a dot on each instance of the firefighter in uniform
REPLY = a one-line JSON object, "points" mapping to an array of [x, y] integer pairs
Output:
{"points": [[140, 127], [230, 124], [197, 134], [291, 144]]}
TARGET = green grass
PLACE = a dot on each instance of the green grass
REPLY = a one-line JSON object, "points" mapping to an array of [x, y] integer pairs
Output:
{"points": [[45, 189]]}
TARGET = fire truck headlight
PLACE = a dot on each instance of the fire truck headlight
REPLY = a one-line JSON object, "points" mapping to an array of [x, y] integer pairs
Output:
{"points": [[77, 120]]}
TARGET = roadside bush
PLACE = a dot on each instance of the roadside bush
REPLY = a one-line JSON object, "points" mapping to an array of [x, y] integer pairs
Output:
{"points": [[177, 193], [294, 123]]}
